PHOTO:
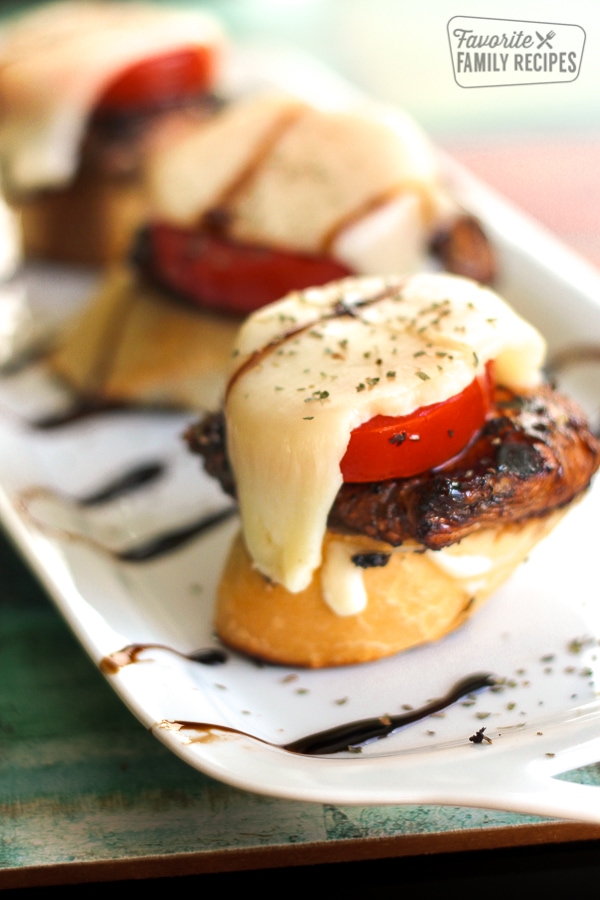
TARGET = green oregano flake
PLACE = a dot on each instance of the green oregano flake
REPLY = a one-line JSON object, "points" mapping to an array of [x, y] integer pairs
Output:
{"points": [[422, 375], [317, 395]]}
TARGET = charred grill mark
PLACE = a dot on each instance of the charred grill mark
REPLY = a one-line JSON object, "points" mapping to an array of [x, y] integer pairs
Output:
{"points": [[519, 459]]}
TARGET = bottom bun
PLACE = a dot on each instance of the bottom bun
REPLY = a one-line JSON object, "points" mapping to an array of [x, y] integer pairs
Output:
{"points": [[418, 597], [132, 344], [91, 222]]}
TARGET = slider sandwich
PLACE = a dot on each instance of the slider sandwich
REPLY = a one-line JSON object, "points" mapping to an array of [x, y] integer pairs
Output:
{"points": [[86, 88], [270, 195], [395, 454]]}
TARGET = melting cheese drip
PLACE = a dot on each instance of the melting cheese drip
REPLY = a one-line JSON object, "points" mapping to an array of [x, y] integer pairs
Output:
{"points": [[306, 374], [342, 581]]}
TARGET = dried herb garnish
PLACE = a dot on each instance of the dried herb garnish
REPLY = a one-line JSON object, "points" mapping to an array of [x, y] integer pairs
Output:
{"points": [[479, 737], [317, 395]]}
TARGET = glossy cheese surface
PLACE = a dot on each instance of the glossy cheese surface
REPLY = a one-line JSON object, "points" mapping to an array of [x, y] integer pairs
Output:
{"points": [[309, 369], [56, 61]]}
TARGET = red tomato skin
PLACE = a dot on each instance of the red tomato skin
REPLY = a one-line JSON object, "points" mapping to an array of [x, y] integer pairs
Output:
{"points": [[218, 274], [159, 80], [400, 447]]}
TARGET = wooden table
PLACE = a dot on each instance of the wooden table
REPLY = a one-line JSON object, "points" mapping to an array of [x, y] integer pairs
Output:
{"points": [[86, 795]]}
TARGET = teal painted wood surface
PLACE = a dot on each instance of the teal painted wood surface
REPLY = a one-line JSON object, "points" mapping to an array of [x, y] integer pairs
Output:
{"points": [[84, 788]]}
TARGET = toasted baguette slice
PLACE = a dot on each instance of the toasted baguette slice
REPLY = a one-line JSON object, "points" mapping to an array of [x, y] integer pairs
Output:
{"points": [[417, 598], [131, 343], [89, 223]]}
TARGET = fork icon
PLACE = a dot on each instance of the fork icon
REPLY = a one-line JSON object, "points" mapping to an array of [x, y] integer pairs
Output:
{"points": [[545, 40]]}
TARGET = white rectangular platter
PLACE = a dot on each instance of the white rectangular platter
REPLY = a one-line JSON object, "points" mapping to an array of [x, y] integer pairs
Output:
{"points": [[539, 634]]}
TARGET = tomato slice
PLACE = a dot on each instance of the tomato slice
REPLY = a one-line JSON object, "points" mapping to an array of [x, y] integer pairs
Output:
{"points": [[160, 80], [403, 446], [214, 272]]}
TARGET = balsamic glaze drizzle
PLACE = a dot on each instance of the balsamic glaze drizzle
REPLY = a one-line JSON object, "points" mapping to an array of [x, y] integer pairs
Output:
{"points": [[87, 406], [171, 540], [131, 480], [114, 662], [363, 731], [155, 546], [322, 743], [337, 311]]}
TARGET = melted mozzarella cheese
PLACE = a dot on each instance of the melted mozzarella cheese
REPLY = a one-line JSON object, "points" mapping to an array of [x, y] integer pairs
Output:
{"points": [[303, 377], [342, 582], [362, 185], [56, 61], [471, 569], [390, 239]]}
